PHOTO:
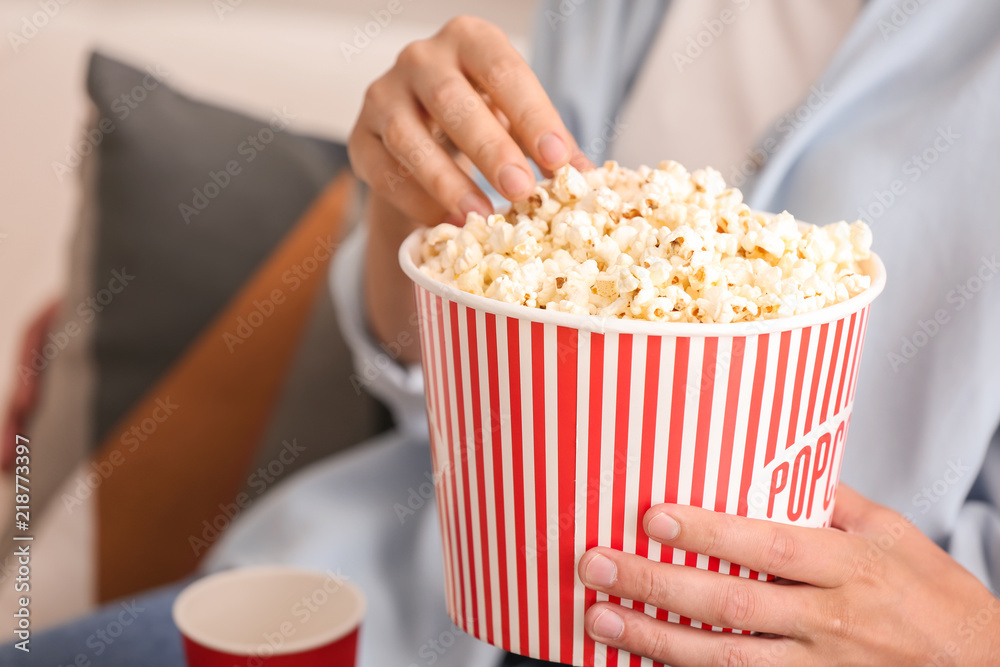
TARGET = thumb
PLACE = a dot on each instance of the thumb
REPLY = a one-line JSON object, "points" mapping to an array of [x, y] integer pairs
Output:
{"points": [[852, 512]]}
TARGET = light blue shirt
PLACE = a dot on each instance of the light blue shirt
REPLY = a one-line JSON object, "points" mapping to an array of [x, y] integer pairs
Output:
{"points": [[908, 140]]}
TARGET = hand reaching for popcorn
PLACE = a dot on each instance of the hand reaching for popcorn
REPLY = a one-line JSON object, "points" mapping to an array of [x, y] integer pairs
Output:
{"points": [[460, 98]]}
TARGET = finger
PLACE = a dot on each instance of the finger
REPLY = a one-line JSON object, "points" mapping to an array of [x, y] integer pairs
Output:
{"points": [[408, 140], [717, 599], [819, 556], [497, 68], [390, 113], [387, 178], [675, 644], [579, 161], [505, 124], [852, 512], [452, 101], [460, 110]]}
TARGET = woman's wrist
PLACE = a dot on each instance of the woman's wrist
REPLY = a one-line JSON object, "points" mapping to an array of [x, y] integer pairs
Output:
{"points": [[388, 295]]}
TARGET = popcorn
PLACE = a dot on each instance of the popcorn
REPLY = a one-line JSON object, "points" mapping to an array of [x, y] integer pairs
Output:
{"points": [[568, 184], [658, 244]]}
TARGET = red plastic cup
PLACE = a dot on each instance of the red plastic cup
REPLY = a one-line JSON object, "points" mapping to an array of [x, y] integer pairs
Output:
{"points": [[552, 433], [272, 616]]}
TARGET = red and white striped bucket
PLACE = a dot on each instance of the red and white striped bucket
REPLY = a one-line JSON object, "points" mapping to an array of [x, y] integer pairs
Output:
{"points": [[552, 433]]}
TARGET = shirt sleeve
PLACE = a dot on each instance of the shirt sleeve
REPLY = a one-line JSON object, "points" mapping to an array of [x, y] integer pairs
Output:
{"points": [[587, 56], [975, 541], [376, 369]]}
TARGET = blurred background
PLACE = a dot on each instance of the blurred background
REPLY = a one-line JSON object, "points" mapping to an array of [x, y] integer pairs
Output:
{"points": [[311, 58]]}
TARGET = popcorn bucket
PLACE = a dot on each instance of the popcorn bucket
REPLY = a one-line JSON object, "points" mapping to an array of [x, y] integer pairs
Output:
{"points": [[552, 433]]}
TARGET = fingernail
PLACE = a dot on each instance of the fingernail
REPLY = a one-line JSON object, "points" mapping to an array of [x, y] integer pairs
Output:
{"points": [[663, 527], [607, 625], [514, 181], [581, 162], [474, 203], [552, 148], [453, 220], [601, 571]]}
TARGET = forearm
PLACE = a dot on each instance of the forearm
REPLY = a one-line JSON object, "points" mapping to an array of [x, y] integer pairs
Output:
{"points": [[388, 292]]}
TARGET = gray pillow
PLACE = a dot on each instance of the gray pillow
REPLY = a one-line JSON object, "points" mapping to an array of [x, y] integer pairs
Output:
{"points": [[185, 205]]}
